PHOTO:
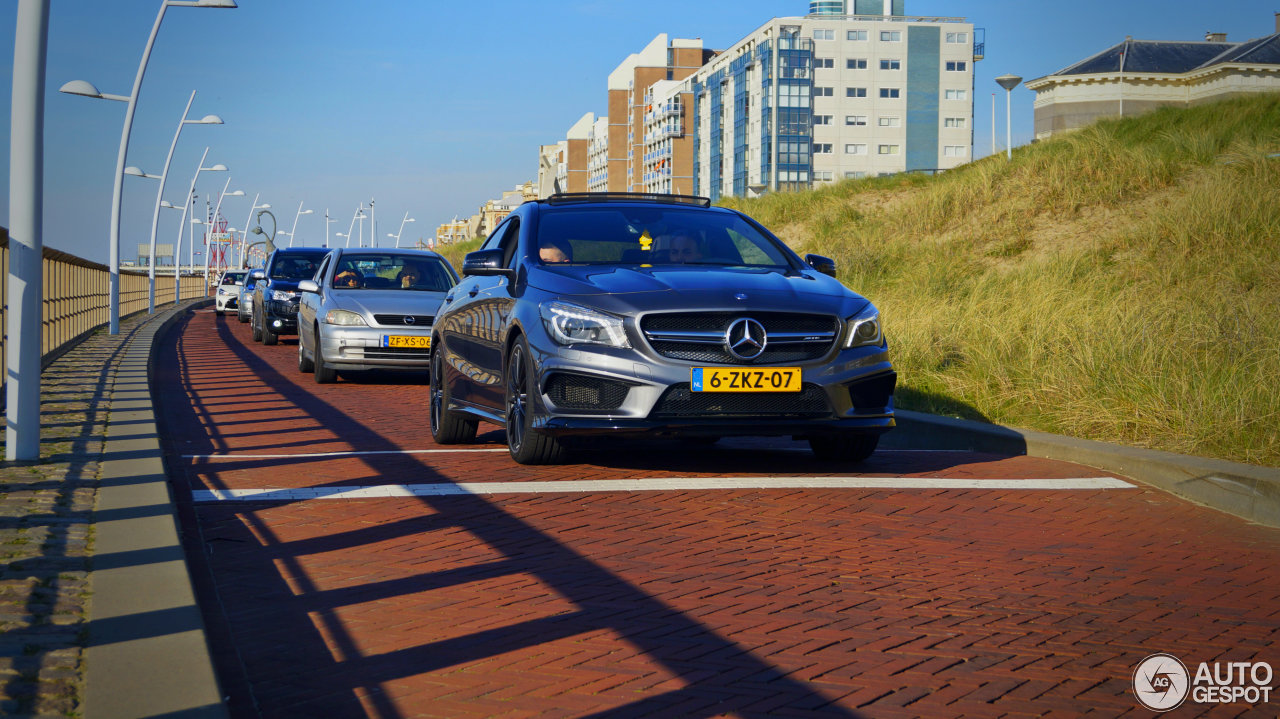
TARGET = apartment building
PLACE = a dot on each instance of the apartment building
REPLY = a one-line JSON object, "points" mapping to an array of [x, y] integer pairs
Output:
{"points": [[809, 100]]}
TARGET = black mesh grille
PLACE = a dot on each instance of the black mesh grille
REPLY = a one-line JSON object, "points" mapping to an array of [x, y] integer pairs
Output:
{"points": [[680, 401], [398, 320], [282, 307], [571, 391], [718, 322]]}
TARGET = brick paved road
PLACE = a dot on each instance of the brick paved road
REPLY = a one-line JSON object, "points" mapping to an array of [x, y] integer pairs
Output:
{"points": [[779, 602]]}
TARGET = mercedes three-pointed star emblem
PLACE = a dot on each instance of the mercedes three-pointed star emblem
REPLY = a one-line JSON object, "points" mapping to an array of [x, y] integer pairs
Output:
{"points": [[745, 338]]}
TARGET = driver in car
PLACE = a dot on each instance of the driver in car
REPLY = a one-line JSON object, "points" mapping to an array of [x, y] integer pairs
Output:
{"points": [[408, 276], [347, 278]]}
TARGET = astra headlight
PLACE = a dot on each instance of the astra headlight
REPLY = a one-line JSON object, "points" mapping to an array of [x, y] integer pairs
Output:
{"points": [[283, 295], [345, 318], [573, 324], [865, 329]]}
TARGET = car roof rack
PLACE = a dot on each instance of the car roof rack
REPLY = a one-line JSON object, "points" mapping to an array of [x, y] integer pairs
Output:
{"points": [[564, 198]]}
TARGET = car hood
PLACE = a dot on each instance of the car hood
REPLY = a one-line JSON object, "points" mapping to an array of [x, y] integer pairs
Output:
{"points": [[615, 280], [386, 302]]}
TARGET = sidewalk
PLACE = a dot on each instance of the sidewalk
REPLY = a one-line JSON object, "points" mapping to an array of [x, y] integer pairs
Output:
{"points": [[66, 650]]}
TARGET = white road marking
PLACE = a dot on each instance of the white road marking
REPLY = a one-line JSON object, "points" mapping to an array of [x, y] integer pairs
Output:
{"points": [[651, 485], [334, 454]]}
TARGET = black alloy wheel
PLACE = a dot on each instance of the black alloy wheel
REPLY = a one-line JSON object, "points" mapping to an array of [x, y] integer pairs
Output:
{"points": [[526, 444], [447, 426]]}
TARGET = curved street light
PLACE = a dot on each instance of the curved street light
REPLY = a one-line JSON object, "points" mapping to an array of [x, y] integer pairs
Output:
{"points": [[177, 252], [80, 87], [407, 218], [270, 240], [295, 222], [327, 222], [244, 236]]}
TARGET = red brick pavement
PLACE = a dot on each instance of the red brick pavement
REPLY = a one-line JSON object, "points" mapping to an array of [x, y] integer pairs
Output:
{"points": [[693, 603]]}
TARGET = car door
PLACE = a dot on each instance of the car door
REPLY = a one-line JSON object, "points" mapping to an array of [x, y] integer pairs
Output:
{"points": [[471, 334], [311, 303]]}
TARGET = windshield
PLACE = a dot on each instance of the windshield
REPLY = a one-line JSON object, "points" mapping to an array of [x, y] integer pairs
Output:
{"points": [[296, 266], [391, 271], [652, 236], [232, 277]]}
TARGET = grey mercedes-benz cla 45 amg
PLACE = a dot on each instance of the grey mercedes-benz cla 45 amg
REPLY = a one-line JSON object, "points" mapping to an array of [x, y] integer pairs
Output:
{"points": [[659, 316]]}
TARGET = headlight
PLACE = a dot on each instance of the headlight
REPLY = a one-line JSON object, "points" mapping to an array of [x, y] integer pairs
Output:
{"points": [[343, 317], [283, 295], [571, 324], [864, 329]]}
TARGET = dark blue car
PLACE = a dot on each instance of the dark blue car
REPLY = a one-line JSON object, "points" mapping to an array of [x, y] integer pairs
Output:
{"points": [[275, 293]]}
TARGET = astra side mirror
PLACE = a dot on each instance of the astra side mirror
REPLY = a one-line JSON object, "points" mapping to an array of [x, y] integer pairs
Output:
{"points": [[485, 263], [308, 286], [825, 265]]}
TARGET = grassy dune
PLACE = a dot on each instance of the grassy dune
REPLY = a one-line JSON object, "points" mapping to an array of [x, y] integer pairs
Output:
{"points": [[1119, 283]]}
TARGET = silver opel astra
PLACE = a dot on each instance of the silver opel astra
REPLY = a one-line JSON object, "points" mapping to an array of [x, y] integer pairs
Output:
{"points": [[370, 308], [654, 315]]}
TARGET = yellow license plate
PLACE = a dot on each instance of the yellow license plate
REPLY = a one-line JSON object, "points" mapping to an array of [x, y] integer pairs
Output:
{"points": [[406, 341], [745, 379]]}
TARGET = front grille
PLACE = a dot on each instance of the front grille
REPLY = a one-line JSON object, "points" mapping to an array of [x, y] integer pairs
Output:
{"points": [[699, 337], [282, 307], [573, 391], [681, 402], [389, 353], [398, 320]]}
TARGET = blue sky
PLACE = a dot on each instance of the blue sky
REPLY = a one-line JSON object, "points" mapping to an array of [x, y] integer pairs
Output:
{"points": [[432, 107]]}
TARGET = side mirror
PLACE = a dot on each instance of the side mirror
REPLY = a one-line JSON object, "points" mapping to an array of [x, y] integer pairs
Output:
{"points": [[825, 265], [239, 284], [308, 286], [485, 263], [258, 275]]}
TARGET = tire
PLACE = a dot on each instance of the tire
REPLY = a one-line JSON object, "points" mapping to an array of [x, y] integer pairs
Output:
{"points": [[268, 337], [324, 374], [255, 329], [526, 444], [447, 427], [844, 447], [241, 317], [304, 365], [217, 311]]}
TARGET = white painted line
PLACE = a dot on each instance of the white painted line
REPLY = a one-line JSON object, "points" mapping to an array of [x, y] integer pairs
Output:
{"points": [[333, 454], [652, 485]]}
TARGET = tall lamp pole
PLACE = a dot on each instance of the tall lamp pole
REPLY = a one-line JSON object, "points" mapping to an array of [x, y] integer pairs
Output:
{"points": [[79, 87], [26, 241], [407, 218], [177, 253], [327, 222], [294, 229], [1008, 82]]}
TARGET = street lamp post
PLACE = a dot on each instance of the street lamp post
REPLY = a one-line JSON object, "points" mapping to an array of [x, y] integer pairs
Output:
{"points": [[407, 218], [327, 222], [1008, 82], [359, 215], [252, 209], [294, 229], [213, 223], [270, 240], [177, 253], [79, 87], [163, 177]]}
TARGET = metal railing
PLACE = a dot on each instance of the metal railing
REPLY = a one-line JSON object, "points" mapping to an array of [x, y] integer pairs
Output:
{"points": [[75, 297]]}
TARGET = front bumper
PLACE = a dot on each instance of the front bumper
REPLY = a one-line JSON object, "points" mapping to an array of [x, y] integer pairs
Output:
{"points": [[280, 316], [360, 348], [226, 302]]}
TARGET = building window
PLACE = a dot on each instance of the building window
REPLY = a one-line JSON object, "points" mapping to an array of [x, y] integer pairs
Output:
{"points": [[954, 151], [855, 149], [957, 94], [857, 35], [890, 121], [858, 120], [855, 92], [822, 148], [889, 149], [823, 62], [824, 34], [855, 175], [822, 119], [822, 176], [958, 37], [822, 92], [890, 64], [856, 63], [953, 122], [957, 66], [890, 36], [890, 92]]}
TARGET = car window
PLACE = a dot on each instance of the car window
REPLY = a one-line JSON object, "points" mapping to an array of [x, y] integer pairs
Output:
{"points": [[295, 266], [653, 236], [391, 271]]}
